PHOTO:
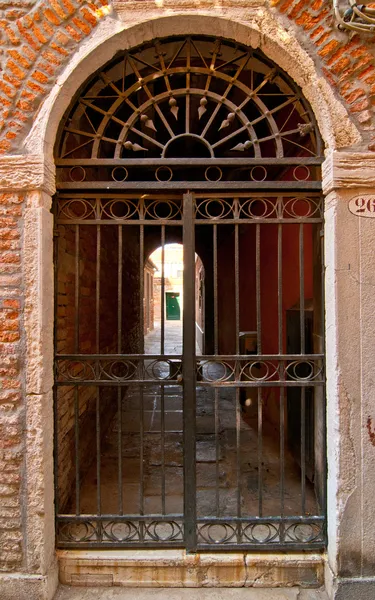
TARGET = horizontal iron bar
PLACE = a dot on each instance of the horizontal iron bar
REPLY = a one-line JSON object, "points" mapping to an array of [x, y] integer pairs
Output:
{"points": [[186, 162], [138, 222], [190, 185], [170, 197], [159, 222], [118, 518], [263, 546], [111, 545], [261, 520], [174, 382], [161, 357]]}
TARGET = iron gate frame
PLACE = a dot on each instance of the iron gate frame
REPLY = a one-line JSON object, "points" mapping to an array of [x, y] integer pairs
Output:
{"points": [[122, 180], [190, 364]]}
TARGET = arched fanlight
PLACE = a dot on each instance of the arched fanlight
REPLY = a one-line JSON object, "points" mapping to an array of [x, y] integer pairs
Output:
{"points": [[189, 96]]}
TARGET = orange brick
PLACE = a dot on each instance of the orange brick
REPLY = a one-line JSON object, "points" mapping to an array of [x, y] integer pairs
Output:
{"points": [[29, 38], [73, 33], [68, 6], [19, 58], [39, 35], [58, 9], [8, 91], [328, 48], [15, 69], [39, 76], [85, 27], [51, 16], [90, 18]]}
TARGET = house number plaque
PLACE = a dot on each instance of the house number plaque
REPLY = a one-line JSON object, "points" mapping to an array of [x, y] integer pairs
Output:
{"points": [[363, 206]]}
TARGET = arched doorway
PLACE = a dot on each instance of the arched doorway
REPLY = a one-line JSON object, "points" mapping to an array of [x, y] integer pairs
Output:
{"points": [[203, 142]]}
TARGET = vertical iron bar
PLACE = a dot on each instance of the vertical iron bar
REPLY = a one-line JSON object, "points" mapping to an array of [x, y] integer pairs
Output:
{"points": [[162, 307], [216, 316], [76, 292], [119, 348], [302, 286], [97, 337], [258, 292], [281, 367], [189, 374], [216, 350], [237, 287], [259, 351], [303, 349], [76, 349], [280, 285], [237, 371], [76, 448], [162, 442], [141, 398], [282, 449], [303, 450], [162, 350], [260, 452]]}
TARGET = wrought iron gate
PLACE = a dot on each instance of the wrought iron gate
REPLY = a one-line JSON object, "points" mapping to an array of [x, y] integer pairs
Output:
{"points": [[256, 223]]}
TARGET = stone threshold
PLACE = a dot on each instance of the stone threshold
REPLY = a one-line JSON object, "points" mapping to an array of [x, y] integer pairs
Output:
{"points": [[176, 568]]}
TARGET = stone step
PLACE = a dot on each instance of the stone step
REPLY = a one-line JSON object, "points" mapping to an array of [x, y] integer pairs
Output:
{"points": [[81, 593], [173, 568]]}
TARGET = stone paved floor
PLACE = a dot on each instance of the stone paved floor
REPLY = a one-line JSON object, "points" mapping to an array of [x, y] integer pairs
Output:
{"points": [[68, 593]]}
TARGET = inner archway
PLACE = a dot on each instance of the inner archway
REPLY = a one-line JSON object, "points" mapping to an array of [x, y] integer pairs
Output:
{"points": [[252, 210]]}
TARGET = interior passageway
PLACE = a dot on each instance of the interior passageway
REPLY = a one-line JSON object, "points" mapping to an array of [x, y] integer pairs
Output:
{"points": [[160, 467]]}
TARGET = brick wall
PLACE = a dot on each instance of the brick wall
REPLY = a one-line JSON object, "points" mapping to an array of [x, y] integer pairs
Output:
{"points": [[67, 315], [345, 60], [39, 38]]}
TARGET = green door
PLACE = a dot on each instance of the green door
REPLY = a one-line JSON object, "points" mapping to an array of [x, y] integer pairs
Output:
{"points": [[173, 306]]}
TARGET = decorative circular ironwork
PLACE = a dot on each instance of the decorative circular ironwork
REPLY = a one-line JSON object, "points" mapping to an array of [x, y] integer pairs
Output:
{"points": [[261, 533], [303, 370], [214, 208], [76, 371], [302, 208], [120, 532], [118, 370], [258, 173], [163, 178], [258, 208], [77, 208], [217, 170], [162, 209], [193, 96], [83, 531], [119, 208], [259, 371], [303, 532], [164, 531], [77, 174], [301, 173], [215, 371], [218, 533], [115, 174]]}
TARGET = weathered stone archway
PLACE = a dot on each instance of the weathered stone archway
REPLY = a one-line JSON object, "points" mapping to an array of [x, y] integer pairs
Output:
{"points": [[32, 177]]}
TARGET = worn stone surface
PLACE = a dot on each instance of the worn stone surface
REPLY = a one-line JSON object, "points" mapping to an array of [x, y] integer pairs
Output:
{"points": [[68, 593], [176, 568], [40, 38], [337, 75]]}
